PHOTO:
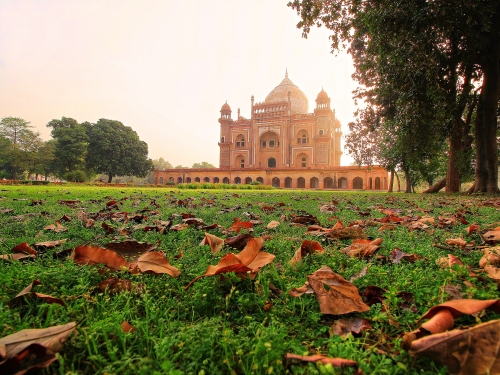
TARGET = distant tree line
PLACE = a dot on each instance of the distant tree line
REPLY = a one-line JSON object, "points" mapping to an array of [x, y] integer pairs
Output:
{"points": [[76, 152], [162, 164]]}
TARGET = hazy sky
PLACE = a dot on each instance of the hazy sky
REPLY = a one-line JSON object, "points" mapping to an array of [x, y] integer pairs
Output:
{"points": [[162, 67]]}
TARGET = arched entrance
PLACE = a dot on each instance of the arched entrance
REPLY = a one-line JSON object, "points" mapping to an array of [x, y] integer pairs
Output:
{"points": [[237, 180], [179, 180], [196, 179], [225, 180], [357, 183], [161, 180], [377, 183], [216, 180], [188, 179], [288, 182], [370, 183], [206, 179], [342, 183], [248, 180], [328, 183], [260, 179], [271, 163], [276, 182], [301, 182], [314, 183]]}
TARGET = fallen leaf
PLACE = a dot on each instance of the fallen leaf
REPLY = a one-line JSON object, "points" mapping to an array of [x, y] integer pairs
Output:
{"points": [[491, 256], [52, 338], [346, 233], [115, 285], [238, 242], [127, 327], [214, 242], [273, 224], [17, 256], [246, 263], [33, 357], [131, 249], [492, 236], [336, 362], [343, 327], [179, 227], [307, 247], [26, 293], [398, 255], [92, 255], [238, 225], [456, 242], [156, 262], [57, 228], [362, 248], [49, 244], [108, 228], [335, 294], [23, 248], [492, 272], [449, 261], [470, 351]]}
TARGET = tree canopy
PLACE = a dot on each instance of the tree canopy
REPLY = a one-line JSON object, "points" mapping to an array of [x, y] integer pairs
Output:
{"points": [[116, 150], [203, 164], [417, 64]]}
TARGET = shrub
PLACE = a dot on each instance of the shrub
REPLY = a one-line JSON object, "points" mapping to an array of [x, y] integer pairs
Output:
{"points": [[76, 176]]}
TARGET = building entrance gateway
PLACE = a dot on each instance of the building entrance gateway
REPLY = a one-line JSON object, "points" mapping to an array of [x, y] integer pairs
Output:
{"points": [[283, 145]]}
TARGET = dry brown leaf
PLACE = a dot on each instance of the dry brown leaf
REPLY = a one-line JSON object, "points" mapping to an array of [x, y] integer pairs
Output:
{"points": [[346, 233], [131, 250], [156, 262], [335, 294], [49, 244], [491, 256], [246, 263], [179, 227], [238, 225], [471, 351], [238, 242], [57, 228], [273, 224], [343, 327], [307, 247], [492, 272], [492, 236], [52, 338], [127, 327], [336, 362], [17, 256], [214, 242], [34, 357], [456, 242], [362, 248], [93, 255], [23, 248], [26, 293], [449, 261]]}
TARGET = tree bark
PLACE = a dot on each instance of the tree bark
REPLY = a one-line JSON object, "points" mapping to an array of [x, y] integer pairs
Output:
{"points": [[408, 182], [452, 182], [391, 181], [110, 178], [486, 178], [399, 182], [436, 187]]}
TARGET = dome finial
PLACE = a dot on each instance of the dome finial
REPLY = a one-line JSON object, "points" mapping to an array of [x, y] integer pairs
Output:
{"points": [[286, 72]]}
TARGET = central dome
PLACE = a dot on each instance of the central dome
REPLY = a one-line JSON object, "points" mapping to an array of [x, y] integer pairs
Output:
{"points": [[298, 99]]}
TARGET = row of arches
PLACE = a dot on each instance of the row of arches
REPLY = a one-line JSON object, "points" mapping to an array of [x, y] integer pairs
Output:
{"points": [[269, 139], [270, 109], [328, 182]]}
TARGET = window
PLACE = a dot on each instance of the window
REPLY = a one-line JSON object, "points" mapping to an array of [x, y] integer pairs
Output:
{"points": [[321, 132], [263, 144], [242, 163], [304, 139], [222, 139], [304, 162], [271, 163], [240, 141], [271, 143]]}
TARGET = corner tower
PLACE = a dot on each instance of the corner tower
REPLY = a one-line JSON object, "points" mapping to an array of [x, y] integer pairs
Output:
{"points": [[225, 141]]}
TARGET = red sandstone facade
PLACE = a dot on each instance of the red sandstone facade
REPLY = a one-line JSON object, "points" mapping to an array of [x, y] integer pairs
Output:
{"points": [[282, 145]]}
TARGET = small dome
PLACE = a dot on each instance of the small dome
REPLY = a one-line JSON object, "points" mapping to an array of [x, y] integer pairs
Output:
{"points": [[226, 107], [322, 95], [298, 99]]}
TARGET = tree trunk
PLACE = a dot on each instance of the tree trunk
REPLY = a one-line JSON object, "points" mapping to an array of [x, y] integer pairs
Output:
{"points": [[453, 172], [408, 182], [486, 120], [436, 187], [110, 178], [399, 182], [391, 181]]}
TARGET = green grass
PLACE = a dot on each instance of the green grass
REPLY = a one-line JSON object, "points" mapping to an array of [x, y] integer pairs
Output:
{"points": [[221, 326]]}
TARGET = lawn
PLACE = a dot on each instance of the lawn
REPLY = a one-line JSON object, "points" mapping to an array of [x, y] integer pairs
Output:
{"points": [[229, 324]]}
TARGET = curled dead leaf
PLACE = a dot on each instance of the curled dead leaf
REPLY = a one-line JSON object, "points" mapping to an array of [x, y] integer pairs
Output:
{"points": [[127, 327], [273, 224], [336, 362], [343, 327], [362, 248], [307, 247], [214, 242], [26, 294], [335, 294], [156, 262], [92, 255], [23, 248]]}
